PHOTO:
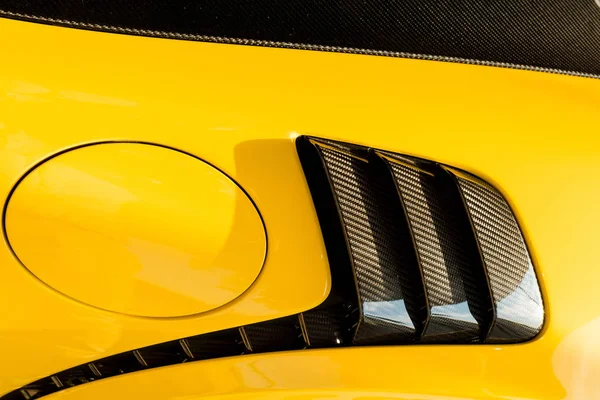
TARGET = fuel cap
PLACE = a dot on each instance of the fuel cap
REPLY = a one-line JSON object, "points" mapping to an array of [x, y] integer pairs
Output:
{"points": [[138, 229]]}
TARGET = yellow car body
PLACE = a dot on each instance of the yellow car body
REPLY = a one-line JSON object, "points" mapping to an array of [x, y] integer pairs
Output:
{"points": [[534, 135]]}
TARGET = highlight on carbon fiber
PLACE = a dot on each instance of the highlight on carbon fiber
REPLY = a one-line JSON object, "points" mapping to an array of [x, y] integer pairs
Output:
{"points": [[419, 253]]}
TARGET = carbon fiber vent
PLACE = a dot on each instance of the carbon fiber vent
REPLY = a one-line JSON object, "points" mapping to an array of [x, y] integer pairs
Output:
{"points": [[436, 253], [419, 252]]}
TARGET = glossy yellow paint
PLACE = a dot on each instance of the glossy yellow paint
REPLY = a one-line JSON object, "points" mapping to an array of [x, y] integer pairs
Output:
{"points": [[533, 135], [411, 372], [136, 229]]}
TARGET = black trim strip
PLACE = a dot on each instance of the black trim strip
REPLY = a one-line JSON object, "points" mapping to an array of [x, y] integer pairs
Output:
{"points": [[290, 44]]}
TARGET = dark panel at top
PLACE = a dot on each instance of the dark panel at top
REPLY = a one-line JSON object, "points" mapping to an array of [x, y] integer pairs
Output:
{"points": [[552, 34]]}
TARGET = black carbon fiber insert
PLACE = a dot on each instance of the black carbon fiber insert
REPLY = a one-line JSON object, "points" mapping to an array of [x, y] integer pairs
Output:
{"points": [[163, 354], [34, 390], [446, 252], [216, 344], [389, 288], [515, 291], [77, 376], [118, 364], [561, 35], [409, 242], [276, 335], [334, 322], [327, 327]]}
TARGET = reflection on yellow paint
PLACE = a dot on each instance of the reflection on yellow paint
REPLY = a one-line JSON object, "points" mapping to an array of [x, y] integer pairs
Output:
{"points": [[94, 224], [576, 362], [85, 97]]}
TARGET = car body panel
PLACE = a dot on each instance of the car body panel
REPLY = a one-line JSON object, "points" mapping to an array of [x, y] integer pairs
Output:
{"points": [[533, 135]]}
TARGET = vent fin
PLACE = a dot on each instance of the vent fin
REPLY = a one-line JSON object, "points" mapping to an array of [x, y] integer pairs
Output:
{"points": [[162, 354], [446, 251], [219, 344], [334, 322], [94, 370], [389, 287], [35, 390], [186, 349], [275, 335], [330, 326], [76, 376], [515, 291], [118, 364]]}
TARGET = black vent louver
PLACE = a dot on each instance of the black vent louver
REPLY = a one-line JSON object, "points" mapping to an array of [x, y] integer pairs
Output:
{"points": [[457, 296], [519, 313], [437, 254], [419, 253]]}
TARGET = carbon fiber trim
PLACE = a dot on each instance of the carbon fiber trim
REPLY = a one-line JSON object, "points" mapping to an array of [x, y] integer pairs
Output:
{"points": [[558, 36], [515, 291], [325, 327], [216, 344], [34, 390], [77, 376], [118, 364], [278, 334], [386, 272], [334, 322], [445, 253], [163, 354]]}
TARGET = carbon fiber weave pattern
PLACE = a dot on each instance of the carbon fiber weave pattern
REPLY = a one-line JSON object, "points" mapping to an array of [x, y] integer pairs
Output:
{"points": [[515, 291], [34, 390], [278, 334], [325, 327], [553, 35], [76, 376], [444, 260], [118, 364], [382, 269], [332, 323], [224, 343], [163, 354]]}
